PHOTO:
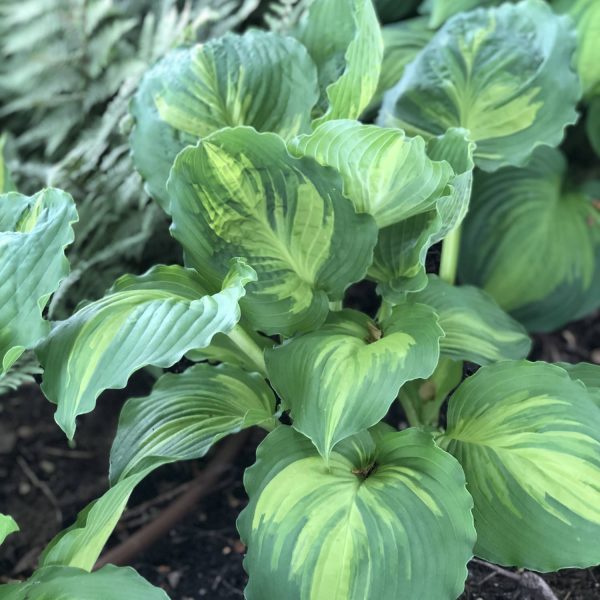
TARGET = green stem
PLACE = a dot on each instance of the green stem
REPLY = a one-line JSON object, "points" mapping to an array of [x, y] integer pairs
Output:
{"points": [[249, 347], [450, 251], [409, 410], [336, 305], [385, 310]]}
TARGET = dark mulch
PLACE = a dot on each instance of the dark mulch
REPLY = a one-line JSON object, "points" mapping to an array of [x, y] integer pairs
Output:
{"points": [[44, 484]]}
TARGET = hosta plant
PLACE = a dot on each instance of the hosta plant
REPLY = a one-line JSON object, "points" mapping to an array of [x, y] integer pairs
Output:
{"points": [[281, 199]]}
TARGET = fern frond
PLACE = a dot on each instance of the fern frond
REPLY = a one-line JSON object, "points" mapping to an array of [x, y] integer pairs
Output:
{"points": [[21, 373]]}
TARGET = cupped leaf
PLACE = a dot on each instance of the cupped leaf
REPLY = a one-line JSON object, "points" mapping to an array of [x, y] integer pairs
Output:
{"points": [[348, 55], [240, 192], [385, 174], [494, 72], [399, 259], [343, 378], [528, 439], [369, 525], [533, 243], [67, 583], [153, 319], [6, 182], [588, 374], [475, 327], [7, 526], [259, 79], [34, 232], [186, 414], [586, 14]]}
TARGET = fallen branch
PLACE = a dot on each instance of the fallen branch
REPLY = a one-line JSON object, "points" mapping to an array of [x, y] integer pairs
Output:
{"points": [[202, 485], [529, 580]]}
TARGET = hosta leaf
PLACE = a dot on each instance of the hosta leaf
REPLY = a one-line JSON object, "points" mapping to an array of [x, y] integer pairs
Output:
{"points": [[153, 319], [343, 378], [259, 79], [223, 349], [399, 260], [370, 525], [588, 374], [348, 55], [186, 414], [34, 232], [389, 11], [7, 526], [6, 183], [385, 173], [586, 14], [441, 10], [494, 72], [528, 439], [401, 44], [181, 419], [240, 192], [66, 583], [476, 328], [533, 243]]}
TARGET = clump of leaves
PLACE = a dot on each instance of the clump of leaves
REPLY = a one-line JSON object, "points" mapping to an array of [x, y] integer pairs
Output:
{"points": [[281, 201]]}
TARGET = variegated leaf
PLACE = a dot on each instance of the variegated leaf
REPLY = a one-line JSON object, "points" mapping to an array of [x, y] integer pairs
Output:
{"points": [[343, 378], [7, 526], [181, 419], [533, 243], [588, 374], [494, 72], [385, 174], [259, 79], [475, 327], [153, 319], [586, 14], [66, 583], [186, 414], [401, 43], [369, 525], [528, 439], [239, 192], [348, 55], [34, 232], [399, 260]]}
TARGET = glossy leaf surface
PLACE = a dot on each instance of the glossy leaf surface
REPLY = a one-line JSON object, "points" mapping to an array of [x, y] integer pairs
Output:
{"points": [[394, 500], [528, 439]]}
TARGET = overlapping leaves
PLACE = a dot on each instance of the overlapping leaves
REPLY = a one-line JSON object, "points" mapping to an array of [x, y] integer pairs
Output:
{"points": [[343, 378], [494, 72], [368, 525], [528, 439], [240, 193], [153, 319], [532, 241]]}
